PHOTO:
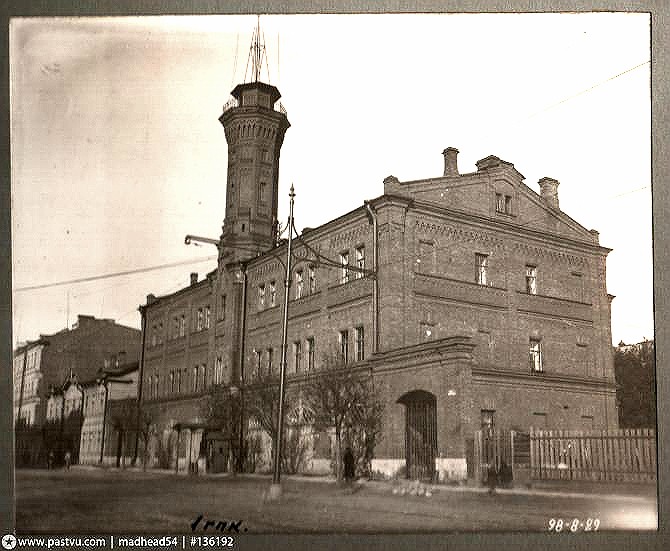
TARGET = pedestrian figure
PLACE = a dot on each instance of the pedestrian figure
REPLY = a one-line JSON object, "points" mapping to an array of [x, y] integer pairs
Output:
{"points": [[492, 478], [349, 468], [68, 459], [50, 460]]}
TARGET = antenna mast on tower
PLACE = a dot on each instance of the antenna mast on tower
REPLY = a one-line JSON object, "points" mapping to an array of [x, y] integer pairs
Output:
{"points": [[257, 54]]}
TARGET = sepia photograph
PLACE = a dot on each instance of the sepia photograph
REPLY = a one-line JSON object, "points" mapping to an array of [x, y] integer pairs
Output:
{"points": [[331, 274]]}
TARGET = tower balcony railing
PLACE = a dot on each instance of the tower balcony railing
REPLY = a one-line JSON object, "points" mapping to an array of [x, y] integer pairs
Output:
{"points": [[233, 102]]}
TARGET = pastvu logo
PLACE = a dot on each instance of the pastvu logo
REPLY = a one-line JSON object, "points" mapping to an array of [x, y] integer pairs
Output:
{"points": [[9, 541]]}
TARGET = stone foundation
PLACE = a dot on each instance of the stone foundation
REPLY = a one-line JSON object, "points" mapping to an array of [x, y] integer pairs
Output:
{"points": [[450, 469], [388, 468]]}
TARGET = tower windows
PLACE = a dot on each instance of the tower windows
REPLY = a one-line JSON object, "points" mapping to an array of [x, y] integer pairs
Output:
{"points": [[311, 276], [273, 293]]}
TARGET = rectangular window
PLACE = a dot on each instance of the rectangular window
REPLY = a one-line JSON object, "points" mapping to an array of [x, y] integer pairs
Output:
{"points": [[194, 382], [157, 387], [200, 320], [222, 308], [539, 420], [204, 376], [360, 261], [535, 356], [344, 267], [508, 204], [427, 260], [299, 284], [311, 276], [488, 420], [481, 265], [297, 356], [270, 365], [218, 370], [310, 353], [531, 280], [360, 343], [154, 336], [259, 359], [159, 337], [273, 293], [500, 202], [182, 326], [577, 286], [344, 346], [172, 382], [207, 317], [175, 334], [263, 192], [261, 297]]}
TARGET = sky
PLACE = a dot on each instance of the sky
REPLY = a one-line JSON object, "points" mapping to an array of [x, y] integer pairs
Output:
{"points": [[117, 152]]}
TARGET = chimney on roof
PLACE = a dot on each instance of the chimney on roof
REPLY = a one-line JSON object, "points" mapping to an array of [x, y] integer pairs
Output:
{"points": [[549, 191], [194, 278], [450, 161], [151, 298]]}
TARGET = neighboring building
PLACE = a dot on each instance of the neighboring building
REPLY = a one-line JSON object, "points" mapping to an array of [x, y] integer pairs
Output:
{"points": [[102, 409], [635, 369], [79, 351], [27, 378], [489, 306]]}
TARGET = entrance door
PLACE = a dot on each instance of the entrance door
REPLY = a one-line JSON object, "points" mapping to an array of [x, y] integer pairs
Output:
{"points": [[420, 434], [218, 455]]}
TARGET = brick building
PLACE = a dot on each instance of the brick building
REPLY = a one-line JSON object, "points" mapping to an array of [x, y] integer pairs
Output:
{"points": [[52, 359], [473, 301]]}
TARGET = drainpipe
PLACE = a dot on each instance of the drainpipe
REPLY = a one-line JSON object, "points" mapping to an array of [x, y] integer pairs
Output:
{"points": [[375, 281], [139, 386]]}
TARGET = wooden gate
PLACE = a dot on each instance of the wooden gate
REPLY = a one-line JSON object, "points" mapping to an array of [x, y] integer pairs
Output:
{"points": [[420, 434], [494, 448]]}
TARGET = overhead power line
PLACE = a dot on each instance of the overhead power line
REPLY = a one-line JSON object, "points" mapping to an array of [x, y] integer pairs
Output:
{"points": [[116, 274]]}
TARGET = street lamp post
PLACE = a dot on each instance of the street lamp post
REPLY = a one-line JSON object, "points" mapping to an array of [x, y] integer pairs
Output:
{"points": [[275, 488]]}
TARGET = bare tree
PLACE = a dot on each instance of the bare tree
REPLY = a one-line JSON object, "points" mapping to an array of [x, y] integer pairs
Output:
{"points": [[342, 399], [261, 401], [146, 428], [223, 408]]}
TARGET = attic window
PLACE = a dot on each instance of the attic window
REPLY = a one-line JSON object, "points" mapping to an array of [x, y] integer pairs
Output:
{"points": [[503, 203]]}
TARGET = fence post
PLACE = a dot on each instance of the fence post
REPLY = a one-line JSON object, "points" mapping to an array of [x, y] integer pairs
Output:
{"points": [[511, 438]]}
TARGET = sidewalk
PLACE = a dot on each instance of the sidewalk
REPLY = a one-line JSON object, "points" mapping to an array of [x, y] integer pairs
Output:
{"points": [[615, 491]]}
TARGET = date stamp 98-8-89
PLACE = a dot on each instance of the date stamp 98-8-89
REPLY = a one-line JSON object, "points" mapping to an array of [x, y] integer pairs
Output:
{"points": [[558, 525]]}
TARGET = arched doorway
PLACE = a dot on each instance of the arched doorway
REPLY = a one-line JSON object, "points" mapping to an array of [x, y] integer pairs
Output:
{"points": [[420, 433]]}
